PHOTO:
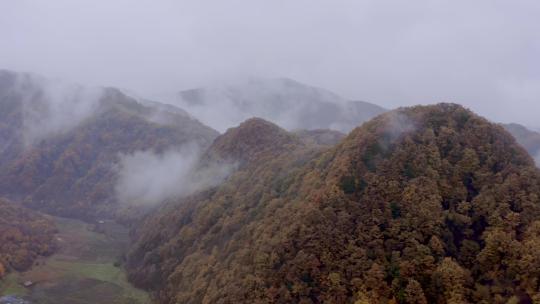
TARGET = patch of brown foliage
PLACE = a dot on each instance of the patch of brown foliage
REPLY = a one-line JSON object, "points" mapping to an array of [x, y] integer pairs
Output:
{"points": [[24, 235]]}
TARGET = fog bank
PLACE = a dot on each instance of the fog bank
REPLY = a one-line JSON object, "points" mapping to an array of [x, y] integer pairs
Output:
{"points": [[147, 178], [482, 54]]}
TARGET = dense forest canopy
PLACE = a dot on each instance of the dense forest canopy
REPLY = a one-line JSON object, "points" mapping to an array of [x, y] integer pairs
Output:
{"points": [[430, 204]]}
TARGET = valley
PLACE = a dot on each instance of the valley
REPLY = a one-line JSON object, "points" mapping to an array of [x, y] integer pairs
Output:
{"points": [[86, 268]]}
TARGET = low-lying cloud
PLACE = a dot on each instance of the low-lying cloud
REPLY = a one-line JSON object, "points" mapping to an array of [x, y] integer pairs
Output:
{"points": [[52, 107], [285, 102], [148, 178], [483, 54], [397, 124]]}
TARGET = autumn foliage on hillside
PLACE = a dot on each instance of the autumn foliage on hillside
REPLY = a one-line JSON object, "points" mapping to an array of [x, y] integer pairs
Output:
{"points": [[24, 235], [267, 158], [74, 173], [420, 205]]}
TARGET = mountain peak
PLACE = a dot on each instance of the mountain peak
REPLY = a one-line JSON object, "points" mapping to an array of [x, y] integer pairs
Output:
{"points": [[251, 139]]}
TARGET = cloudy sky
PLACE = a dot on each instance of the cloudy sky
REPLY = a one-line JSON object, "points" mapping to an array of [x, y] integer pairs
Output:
{"points": [[484, 53]]}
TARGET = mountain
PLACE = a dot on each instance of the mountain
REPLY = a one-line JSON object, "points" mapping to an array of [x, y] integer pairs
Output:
{"points": [[267, 156], [429, 204], [527, 138], [251, 140], [65, 143], [287, 103], [24, 235]]}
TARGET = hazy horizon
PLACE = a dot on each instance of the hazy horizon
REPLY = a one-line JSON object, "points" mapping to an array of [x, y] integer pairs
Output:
{"points": [[481, 54]]}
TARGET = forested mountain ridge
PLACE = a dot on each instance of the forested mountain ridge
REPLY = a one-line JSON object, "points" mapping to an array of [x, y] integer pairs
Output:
{"points": [[24, 235], [73, 170], [265, 155], [429, 204]]}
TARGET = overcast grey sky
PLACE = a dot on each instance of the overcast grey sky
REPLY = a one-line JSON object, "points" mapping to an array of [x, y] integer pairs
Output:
{"points": [[483, 54]]}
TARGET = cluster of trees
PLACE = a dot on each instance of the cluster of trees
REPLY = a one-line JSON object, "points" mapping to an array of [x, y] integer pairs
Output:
{"points": [[24, 235], [420, 205]]}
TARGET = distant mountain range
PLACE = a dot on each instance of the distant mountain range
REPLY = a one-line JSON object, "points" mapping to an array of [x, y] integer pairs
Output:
{"points": [[61, 145], [296, 107], [285, 102]]}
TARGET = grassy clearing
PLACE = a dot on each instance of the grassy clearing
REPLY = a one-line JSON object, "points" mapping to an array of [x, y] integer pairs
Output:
{"points": [[82, 271]]}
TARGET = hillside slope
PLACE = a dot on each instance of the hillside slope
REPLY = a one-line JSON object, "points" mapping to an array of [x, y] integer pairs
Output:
{"points": [[72, 169], [420, 205], [267, 158]]}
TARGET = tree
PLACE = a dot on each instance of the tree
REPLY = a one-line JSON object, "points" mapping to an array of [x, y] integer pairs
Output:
{"points": [[451, 279], [414, 293]]}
